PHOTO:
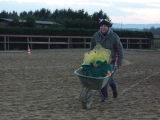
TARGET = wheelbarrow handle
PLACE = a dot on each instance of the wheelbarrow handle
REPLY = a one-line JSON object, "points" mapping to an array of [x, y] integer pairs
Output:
{"points": [[114, 71], [115, 68]]}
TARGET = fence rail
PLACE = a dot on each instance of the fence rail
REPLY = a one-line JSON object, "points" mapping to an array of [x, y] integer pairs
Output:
{"points": [[12, 42]]}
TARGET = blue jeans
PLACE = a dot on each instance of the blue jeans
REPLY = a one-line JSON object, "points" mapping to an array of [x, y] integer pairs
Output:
{"points": [[111, 82]]}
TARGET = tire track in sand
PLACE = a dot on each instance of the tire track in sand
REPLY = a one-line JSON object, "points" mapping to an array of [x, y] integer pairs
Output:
{"points": [[129, 88]]}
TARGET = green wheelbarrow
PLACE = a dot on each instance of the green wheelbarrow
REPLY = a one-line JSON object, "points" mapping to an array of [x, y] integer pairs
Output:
{"points": [[89, 84]]}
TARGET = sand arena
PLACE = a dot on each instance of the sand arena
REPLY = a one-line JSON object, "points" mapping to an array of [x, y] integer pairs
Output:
{"points": [[43, 87]]}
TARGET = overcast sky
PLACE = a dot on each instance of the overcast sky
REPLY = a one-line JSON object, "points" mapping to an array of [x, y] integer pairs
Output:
{"points": [[120, 11]]}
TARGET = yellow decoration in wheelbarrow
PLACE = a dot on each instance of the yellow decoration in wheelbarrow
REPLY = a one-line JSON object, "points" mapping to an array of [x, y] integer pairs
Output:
{"points": [[96, 63], [97, 54]]}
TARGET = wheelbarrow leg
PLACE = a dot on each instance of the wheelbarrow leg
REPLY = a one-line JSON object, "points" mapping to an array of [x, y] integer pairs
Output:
{"points": [[104, 93], [86, 97]]}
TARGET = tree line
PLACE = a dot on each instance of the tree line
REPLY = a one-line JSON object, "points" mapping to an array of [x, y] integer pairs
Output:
{"points": [[155, 31], [66, 17]]}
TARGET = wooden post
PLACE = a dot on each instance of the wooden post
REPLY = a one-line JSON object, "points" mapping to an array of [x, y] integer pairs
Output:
{"points": [[5, 43], [70, 43], [127, 43], [140, 44], [49, 43], [8, 42], [84, 42], [31, 43], [28, 41]]}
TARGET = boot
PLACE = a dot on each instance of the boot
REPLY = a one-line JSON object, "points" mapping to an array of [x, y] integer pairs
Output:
{"points": [[115, 94]]}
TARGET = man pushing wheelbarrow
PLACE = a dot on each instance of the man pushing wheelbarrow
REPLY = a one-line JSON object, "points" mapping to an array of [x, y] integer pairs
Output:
{"points": [[98, 68]]}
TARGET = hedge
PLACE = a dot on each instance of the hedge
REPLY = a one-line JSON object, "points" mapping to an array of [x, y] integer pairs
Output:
{"points": [[70, 32]]}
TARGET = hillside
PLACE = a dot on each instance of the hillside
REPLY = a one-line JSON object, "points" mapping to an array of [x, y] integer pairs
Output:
{"points": [[135, 26]]}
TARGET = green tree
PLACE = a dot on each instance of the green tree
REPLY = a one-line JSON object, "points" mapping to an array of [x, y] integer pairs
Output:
{"points": [[4, 14], [98, 15], [30, 13], [23, 14], [36, 14], [54, 15], [44, 14], [68, 18], [30, 21], [15, 22]]}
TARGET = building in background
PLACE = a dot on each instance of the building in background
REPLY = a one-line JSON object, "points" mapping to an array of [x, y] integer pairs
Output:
{"points": [[6, 22]]}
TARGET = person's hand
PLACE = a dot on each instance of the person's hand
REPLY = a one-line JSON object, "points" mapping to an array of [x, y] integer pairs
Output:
{"points": [[116, 58], [118, 66]]}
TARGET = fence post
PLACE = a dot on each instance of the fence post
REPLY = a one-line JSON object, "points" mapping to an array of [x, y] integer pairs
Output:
{"points": [[31, 42], [8, 42], [27, 41], [84, 42], [70, 43], [127, 43], [5, 43], [140, 44], [49, 43]]}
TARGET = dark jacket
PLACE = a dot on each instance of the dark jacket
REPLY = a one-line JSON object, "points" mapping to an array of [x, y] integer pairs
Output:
{"points": [[110, 41]]}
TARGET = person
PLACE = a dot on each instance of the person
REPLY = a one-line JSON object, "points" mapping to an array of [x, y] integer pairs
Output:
{"points": [[109, 40]]}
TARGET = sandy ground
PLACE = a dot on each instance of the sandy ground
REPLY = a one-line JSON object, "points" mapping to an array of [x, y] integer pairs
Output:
{"points": [[43, 87]]}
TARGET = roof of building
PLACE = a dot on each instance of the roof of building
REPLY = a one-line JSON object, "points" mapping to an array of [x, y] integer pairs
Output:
{"points": [[37, 21]]}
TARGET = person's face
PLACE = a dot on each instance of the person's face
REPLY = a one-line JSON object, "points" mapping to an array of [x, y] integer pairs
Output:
{"points": [[104, 29]]}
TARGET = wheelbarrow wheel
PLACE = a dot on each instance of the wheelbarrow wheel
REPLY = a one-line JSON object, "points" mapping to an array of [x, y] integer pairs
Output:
{"points": [[87, 98]]}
